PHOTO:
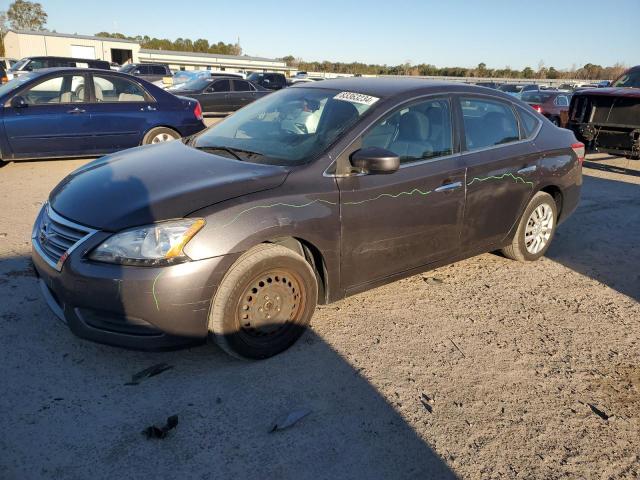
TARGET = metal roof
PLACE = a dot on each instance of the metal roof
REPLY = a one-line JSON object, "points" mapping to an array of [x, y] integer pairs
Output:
{"points": [[209, 55], [44, 33]]}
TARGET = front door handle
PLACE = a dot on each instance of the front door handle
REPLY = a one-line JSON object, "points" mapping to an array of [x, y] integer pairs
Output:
{"points": [[77, 110], [529, 169], [448, 187]]}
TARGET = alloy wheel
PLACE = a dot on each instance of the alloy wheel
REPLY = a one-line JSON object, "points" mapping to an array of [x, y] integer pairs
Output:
{"points": [[162, 137], [539, 228]]}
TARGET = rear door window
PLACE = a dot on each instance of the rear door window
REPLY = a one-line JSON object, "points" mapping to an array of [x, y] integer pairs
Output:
{"points": [[488, 123], [242, 86], [158, 70], [109, 88]]}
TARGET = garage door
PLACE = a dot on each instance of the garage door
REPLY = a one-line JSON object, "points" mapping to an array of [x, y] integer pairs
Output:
{"points": [[81, 51]]}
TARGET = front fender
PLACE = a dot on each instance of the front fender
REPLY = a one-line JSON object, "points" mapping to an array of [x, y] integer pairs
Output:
{"points": [[234, 226]]}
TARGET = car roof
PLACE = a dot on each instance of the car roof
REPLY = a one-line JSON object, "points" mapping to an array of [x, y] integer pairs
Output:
{"points": [[388, 87], [42, 71]]}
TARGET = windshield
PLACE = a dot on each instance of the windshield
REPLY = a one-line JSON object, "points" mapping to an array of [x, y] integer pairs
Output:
{"points": [[127, 68], [254, 77], [19, 64], [511, 88], [289, 127], [536, 97], [629, 79], [15, 83]]}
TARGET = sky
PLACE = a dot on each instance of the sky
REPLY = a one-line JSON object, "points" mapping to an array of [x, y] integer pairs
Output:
{"points": [[444, 33]]}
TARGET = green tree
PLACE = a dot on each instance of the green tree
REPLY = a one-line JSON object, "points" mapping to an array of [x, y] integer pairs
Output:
{"points": [[527, 72], [25, 15]]}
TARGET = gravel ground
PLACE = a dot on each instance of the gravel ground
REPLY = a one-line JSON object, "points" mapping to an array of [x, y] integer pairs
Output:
{"points": [[483, 369]]}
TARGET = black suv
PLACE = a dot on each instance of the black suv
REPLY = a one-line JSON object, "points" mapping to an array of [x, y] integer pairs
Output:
{"points": [[151, 72], [272, 81], [29, 64]]}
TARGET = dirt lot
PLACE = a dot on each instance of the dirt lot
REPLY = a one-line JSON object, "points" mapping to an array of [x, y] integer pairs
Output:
{"points": [[484, 369]]}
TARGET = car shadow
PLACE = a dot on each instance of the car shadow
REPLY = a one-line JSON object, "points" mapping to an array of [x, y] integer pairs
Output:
{"points": [[603, 167], [600, 239], [68, 399]]}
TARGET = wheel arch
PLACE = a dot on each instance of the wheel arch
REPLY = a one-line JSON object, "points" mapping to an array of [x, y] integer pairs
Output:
{"points": [[313, 255], [170, 127], [557, 195]]}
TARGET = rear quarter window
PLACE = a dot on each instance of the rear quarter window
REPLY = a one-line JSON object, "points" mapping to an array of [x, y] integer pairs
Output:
{"points": [[529, 123]]}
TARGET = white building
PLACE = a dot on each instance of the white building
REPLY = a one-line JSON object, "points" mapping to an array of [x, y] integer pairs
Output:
{"points": [[19, 44]]}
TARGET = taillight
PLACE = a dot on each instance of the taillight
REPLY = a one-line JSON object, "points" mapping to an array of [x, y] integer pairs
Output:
{"points": [[579, 150], [197, 111], [537, 108]]}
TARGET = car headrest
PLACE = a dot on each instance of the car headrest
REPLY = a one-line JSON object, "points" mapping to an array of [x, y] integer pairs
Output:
{"points": [[337, 115]]}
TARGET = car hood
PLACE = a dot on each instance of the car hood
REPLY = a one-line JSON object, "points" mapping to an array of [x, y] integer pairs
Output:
{"points": [[156, 182]]}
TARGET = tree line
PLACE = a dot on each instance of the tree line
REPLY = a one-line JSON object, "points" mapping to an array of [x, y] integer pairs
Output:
{"points": [[201, 45], [587, 72]]}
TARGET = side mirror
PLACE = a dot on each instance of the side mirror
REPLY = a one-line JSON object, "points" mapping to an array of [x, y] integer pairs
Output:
{"points": [[19, 102], [375, 160]]}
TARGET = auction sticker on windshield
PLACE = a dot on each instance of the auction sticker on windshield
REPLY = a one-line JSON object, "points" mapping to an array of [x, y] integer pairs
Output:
{"points": [[356, 98]]}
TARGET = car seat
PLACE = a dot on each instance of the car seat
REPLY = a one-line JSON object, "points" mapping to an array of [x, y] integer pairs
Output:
{"points": [[413, 133]]}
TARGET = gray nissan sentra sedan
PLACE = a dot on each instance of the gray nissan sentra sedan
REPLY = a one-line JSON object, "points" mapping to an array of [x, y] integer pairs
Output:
{"points": [[306, 196]]}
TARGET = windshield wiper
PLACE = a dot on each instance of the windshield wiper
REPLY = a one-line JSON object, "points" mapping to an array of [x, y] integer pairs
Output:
{"points": [[219, 149], [232, 151]]}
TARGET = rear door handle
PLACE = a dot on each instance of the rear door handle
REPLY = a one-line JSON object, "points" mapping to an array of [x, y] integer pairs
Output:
{"points": [[448, 187], [77, 110], [529, 169]]}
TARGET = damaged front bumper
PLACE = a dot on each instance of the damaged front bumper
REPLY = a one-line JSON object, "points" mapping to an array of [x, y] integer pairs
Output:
{"points": [[134, 307]]}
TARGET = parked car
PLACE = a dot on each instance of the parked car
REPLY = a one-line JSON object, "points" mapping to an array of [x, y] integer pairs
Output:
{"points": [[184, 76], [271, 81], [608, 119], [7, 63], [151, 72], [30, 64], [221, 95], [517, 90], [237, 233], [68, 112], [493, 85], [552, 104]]}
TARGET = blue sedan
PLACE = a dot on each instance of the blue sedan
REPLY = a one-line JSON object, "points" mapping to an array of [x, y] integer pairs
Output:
{"points": [[71, 112]]}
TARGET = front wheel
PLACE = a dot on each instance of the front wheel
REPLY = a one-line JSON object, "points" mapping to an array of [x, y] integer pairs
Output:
{"points": [[535, 230], [160, 135], [264, 302]]}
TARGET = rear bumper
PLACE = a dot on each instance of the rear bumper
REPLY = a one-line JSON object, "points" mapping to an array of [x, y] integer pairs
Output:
{"points": [[192, 128], [132, 307]]}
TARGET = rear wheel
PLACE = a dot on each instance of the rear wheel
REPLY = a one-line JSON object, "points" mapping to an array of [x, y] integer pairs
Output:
{"points": [[160, 135], [264, 302], [535, 230]]}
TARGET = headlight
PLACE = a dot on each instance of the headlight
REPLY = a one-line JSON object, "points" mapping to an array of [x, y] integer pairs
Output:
{"points": [[159, 244]]}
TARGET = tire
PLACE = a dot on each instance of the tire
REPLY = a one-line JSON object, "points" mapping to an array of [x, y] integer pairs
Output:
{"points": [[160, 135], [537, 224], [264, 302]]}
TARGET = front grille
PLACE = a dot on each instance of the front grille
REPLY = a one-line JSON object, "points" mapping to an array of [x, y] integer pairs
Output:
{"points": [[55, 237]]}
